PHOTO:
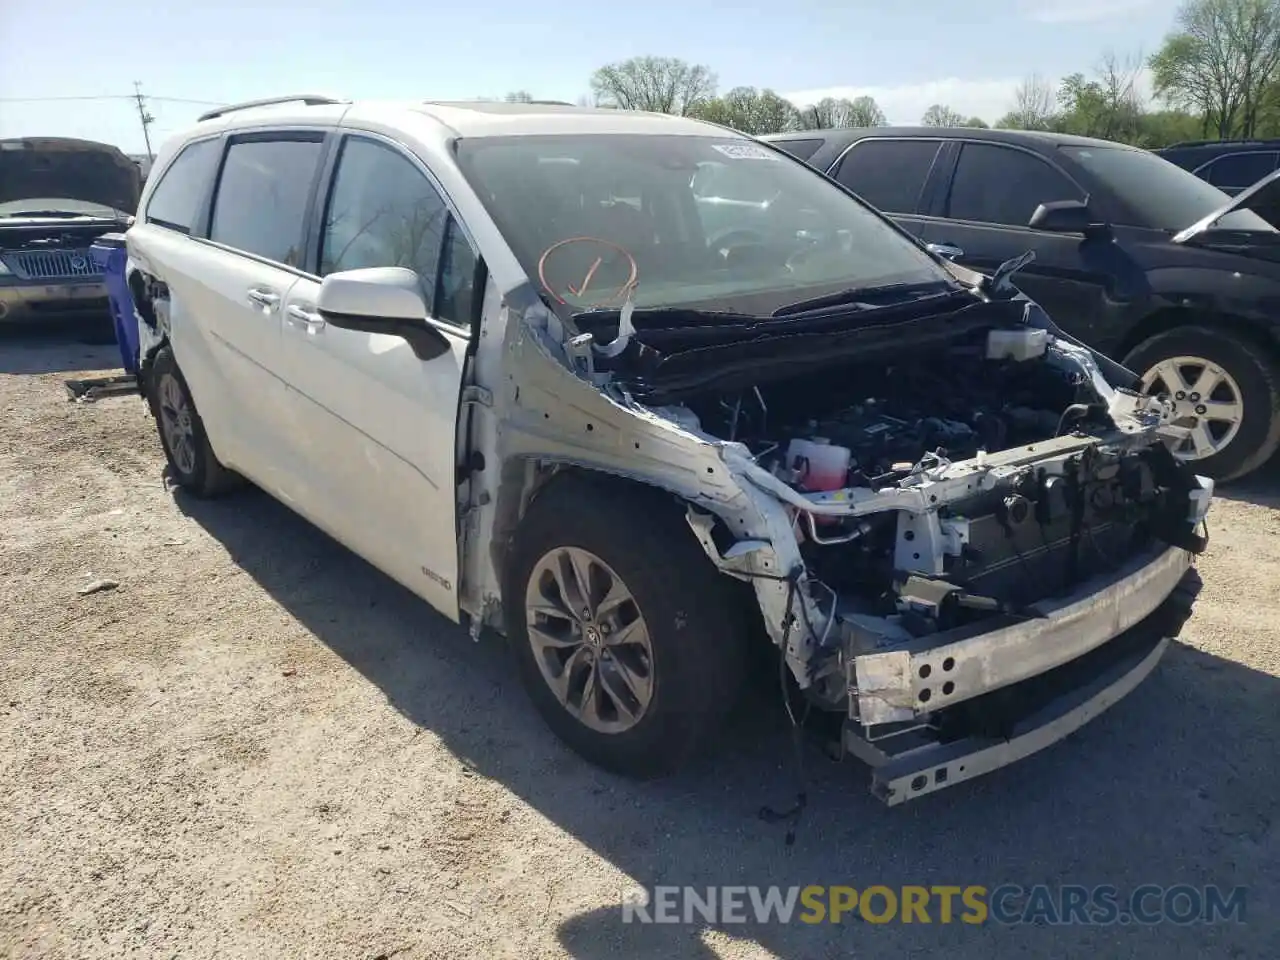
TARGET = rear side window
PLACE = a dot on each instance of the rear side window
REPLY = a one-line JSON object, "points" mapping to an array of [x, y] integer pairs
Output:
{"points": [[261, 203], [1239, 170], [800, 149], [997, 184], [889, 174], [175, 202]]}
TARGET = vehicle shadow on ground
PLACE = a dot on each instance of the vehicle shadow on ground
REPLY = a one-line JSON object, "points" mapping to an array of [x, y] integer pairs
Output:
{"points": [[58, 347], [1176, 784], [1261, 487]]}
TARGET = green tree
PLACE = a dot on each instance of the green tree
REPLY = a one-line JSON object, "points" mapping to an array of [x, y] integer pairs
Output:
{"points": [[1221, 63], [658, 84], [977, 123], [940, 115], [1107, 106], [747, 109], [831, 113]]}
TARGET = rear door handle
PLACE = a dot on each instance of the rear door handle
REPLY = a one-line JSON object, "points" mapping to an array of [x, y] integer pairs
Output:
{"points": [[302, 317], [267, 299]]}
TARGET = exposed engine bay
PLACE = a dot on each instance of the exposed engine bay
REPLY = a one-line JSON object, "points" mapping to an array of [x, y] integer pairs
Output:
{"points": [[879, 428], [938, 473]]}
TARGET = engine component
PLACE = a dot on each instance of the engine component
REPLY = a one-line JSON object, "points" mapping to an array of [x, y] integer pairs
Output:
{"points": [[818, 465], [1024, 343]]}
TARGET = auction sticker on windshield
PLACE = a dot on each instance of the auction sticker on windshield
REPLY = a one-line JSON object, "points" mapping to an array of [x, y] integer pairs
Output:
{"points": [[744, 151]]}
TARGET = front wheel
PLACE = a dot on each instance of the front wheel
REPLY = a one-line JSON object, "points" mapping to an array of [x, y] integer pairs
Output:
{"points": [[1225, 387], [630, 643]]}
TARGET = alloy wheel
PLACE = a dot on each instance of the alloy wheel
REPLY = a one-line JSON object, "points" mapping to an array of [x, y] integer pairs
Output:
{"points": [[176, 423], [589, 639], [1204, 396]]}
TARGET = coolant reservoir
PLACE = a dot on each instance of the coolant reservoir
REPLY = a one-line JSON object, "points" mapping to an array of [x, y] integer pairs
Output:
{"points": [[819, 464]]}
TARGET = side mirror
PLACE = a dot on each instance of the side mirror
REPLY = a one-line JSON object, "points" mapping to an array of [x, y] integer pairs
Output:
{"points": [[381, 300], [1063, 216]]}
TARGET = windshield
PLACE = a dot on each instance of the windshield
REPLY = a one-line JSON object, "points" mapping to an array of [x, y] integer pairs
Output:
{"points": [[710, 223], [1164, 195]]}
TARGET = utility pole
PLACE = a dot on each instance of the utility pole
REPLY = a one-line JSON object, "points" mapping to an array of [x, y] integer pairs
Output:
{"points": [[146, 118]]}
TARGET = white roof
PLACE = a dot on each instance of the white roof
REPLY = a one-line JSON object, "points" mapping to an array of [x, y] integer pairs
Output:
{"points": [[488, 119], [477, 118]]}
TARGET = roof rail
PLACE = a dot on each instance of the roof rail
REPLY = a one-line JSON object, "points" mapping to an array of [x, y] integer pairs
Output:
{"points": [[1230, 140], [310, 99]]}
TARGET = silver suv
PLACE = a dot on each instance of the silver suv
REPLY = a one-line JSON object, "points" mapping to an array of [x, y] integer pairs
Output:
{"points": [[500, 351]]}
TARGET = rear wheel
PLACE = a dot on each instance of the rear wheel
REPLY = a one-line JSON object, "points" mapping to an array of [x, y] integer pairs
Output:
{"points": [[186, 445], [1225, 386], [630, 643]]}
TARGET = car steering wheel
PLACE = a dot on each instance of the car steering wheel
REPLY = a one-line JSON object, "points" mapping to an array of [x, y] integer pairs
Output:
{"points": [[579, 290]]}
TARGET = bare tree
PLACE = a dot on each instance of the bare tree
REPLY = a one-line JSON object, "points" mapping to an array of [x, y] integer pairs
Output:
{"points": [[659, 84], [940, 115], [831, 113], [749, 110], [519, 96], [1033, 103]]}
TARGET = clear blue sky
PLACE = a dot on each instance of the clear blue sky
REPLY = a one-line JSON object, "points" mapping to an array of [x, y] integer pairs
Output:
{"points": [[967, 53]]}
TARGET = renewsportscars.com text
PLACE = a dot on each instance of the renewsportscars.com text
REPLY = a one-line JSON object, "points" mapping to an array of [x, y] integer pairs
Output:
{"points": [[1008, 904]]}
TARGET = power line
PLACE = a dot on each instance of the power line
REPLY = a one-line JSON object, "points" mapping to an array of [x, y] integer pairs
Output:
{"points": [[52, 99], [116, 96]]}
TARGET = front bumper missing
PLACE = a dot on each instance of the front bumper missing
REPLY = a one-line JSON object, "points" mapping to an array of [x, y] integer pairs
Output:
{"points": [[1007, 725], [923, 676]]}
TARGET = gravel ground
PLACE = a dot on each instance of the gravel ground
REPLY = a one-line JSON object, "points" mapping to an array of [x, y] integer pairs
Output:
{"points": [[257, 746]]}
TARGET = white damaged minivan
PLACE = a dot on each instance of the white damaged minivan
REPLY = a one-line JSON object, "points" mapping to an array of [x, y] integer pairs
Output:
{"points": [[641, 394]]}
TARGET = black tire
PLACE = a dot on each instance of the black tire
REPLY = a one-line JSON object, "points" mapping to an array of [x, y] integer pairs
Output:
{"points": [[697, 620], [205, 476], [1254, 371]]}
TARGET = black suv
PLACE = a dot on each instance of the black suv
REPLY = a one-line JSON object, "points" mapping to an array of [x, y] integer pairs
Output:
{"points": [[1230, 165], [1133, 254]]}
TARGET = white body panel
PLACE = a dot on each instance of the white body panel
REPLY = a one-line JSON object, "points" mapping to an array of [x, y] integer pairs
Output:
{"points": [[375, 432]]}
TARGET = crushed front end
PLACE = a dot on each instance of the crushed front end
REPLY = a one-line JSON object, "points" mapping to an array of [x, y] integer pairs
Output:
{"points": [[965, 539]]}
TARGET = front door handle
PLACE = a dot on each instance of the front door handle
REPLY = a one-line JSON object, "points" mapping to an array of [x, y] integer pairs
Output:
{"points": [[302, 317], [268, 300]]}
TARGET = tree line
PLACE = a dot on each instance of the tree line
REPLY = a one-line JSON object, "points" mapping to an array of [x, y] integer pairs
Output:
{"points": [[1216, 75]]}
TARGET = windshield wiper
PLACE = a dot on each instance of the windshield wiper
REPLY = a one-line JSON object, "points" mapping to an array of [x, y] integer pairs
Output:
{"points": [[613, 314], [1000, 283], [865, 298]]}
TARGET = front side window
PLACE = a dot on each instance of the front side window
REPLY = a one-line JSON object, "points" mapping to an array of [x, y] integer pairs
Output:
{"points": [[455, 296], [711, 223], [382, 212], [175, 202], [261, 203], [889, 174], [998, 184]]}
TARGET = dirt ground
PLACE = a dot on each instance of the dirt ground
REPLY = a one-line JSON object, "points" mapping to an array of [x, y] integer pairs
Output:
{"points": [[257, 746]]}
